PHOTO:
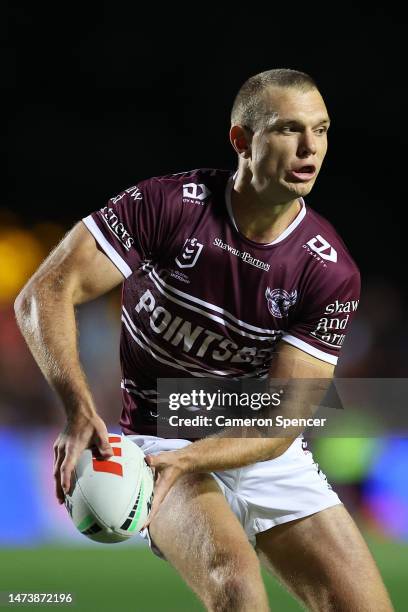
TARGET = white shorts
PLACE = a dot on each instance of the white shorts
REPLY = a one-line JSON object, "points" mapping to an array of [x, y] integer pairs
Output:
{"points": [[264, 494]]}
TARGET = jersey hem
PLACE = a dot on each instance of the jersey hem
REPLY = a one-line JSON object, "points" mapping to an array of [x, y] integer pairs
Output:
{"points": [[311, 350], [107, 248]]}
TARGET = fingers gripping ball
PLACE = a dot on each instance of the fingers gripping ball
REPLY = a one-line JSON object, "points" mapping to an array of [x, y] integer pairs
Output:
{"points": [[110, 500]]}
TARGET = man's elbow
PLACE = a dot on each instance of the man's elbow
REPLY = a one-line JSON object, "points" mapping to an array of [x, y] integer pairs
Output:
{"points": [[23, 305], [34, 292], [22, 299], [19, 304]]}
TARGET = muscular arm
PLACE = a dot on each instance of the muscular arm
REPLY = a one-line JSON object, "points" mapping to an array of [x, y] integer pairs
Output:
{"points": [[75, 272], [226, 450]]}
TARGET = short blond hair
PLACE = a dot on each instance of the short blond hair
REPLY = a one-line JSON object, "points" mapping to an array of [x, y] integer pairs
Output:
{"points": [[248, 109]]}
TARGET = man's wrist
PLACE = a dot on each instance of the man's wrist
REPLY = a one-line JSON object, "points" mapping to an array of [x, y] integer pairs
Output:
{"points": [[202, 456], [184, 461], [79, 410], [222, 453]]}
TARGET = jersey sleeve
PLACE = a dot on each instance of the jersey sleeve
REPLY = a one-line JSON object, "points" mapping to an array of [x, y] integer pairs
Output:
{"points": [[321, 326], [129, 228]]}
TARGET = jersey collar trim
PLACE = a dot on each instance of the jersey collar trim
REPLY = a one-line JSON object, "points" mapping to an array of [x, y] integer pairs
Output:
{"points": [[298, 219]]}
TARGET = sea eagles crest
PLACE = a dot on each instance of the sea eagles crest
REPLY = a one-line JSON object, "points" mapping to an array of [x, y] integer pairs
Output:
{"points": [[279, 301]]}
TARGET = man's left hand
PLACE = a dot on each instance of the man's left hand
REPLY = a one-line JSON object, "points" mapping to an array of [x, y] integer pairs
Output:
{"points": [[167, 469]]}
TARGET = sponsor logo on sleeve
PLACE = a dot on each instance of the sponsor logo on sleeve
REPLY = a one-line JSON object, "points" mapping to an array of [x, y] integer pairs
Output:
{"points": [[133, 192], [190, 253], [321, 249], [117, 228], [279, 301], [329, 329], [195, 193]]}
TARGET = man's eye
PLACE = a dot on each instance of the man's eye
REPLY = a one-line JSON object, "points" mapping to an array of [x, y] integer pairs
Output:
{"points": [[321, 130]]}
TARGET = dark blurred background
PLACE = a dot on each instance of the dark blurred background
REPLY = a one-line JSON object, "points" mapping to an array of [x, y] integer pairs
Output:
{"points": [[98, 96]]}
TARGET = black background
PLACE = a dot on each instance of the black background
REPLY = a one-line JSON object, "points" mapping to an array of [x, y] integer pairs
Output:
{"points": [[99, 96]]}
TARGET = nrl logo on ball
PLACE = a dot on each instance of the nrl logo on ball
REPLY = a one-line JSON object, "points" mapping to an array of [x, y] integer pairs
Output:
{"points": [[279, 301]]}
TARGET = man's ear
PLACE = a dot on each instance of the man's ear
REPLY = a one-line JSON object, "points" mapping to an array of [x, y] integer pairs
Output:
{"points": [[240, 139]]}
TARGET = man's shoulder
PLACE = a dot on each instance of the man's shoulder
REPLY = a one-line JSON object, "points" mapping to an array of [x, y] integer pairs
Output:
{"points": [[182, 189], [193, 182], [197, 173]]}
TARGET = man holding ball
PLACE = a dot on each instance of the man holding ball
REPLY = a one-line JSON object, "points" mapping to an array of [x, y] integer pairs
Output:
{"points": [[225, 275]]}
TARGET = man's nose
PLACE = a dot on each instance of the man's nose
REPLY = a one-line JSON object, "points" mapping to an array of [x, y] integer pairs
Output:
{"points": [[307, 144]]}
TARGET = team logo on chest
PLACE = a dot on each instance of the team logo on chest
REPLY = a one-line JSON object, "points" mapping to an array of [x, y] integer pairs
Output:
{"points": [[190, 253], [279, 301]]}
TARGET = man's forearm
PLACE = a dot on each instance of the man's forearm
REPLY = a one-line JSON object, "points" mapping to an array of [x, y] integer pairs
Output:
{"points": [[237, 447], [223, 452], [46, 319]]}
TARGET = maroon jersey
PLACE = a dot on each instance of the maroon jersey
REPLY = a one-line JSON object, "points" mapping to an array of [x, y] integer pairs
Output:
{"points": [[202, 300]]}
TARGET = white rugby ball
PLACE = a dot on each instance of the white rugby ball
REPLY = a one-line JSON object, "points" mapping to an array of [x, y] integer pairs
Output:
{"points": [[109, 501]]}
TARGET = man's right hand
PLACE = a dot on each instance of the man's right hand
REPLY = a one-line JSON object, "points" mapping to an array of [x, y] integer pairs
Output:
{"points": [[80, 433]]}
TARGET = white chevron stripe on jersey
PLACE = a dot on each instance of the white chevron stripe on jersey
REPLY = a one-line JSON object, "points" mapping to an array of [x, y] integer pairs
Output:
{"points": [[146, 348], [276, 335], [188, 364], [177, 363], [209, 306], [134, 392], [129, 382]]}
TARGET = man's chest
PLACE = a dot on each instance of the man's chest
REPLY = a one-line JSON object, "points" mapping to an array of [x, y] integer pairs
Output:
{"points": [[211, 299], [211, 270]]}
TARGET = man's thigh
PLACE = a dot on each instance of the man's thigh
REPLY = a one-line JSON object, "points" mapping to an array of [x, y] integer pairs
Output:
{"points": [[325, 562], [199, 535]]}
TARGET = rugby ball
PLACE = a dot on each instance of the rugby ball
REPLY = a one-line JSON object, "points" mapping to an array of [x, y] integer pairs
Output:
{"points": [[109, 500]]}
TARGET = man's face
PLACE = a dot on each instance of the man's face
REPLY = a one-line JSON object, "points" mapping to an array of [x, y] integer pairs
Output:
{"points": [[286, 156]]}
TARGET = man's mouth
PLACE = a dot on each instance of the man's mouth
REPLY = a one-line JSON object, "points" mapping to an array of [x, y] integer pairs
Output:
{"points": [[303, 173]]}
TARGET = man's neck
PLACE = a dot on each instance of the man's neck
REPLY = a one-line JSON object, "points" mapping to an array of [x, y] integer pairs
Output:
{"points": [[257, 219]]}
